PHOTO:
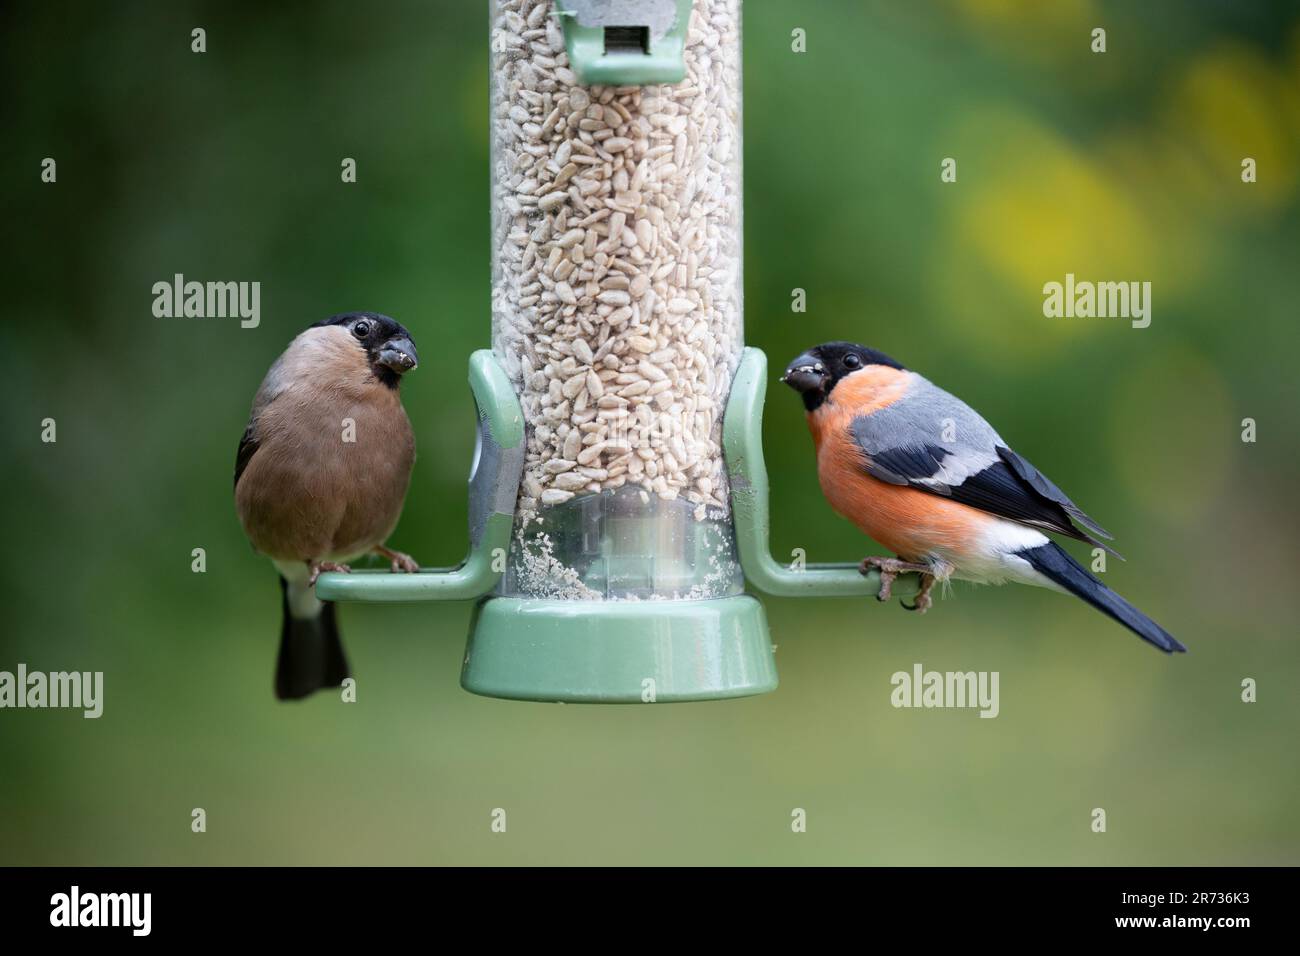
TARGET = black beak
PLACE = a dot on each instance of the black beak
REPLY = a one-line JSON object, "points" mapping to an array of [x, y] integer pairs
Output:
{"points": [[806, 373], [399, 355]]}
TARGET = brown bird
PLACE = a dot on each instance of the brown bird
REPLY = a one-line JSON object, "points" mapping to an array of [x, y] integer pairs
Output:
{"points": [[321, 475]]}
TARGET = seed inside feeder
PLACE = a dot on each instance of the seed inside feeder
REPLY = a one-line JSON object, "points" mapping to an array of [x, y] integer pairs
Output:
{"points": [[617, 308]]}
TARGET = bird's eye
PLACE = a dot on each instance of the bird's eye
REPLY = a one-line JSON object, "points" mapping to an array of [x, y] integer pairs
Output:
{"points": [[361, 329], [852, 361]]}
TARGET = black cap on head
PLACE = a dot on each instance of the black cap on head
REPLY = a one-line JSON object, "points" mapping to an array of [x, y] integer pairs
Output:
{"points": [[814, 373], [387, 343]]}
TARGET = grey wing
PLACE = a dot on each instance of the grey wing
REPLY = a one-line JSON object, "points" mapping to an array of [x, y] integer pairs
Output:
{"points": [[928, 439], [271, 386], [935, 442]]}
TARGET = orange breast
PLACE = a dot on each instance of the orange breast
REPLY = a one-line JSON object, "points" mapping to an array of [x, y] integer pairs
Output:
{"points": [[909, 522]]}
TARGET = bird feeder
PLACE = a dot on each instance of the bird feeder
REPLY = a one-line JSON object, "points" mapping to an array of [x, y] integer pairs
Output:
{"points": [[618, 496]]}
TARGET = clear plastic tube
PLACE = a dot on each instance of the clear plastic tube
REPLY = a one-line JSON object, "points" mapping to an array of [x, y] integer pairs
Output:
{"points": [[617, 308]]}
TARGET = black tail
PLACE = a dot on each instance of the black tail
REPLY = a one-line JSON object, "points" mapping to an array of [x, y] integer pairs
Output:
{"points": [[311, 653], [1054, 563]]}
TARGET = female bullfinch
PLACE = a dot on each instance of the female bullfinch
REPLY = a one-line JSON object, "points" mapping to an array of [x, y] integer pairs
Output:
{"points": [[920, 471], [321, 475]]}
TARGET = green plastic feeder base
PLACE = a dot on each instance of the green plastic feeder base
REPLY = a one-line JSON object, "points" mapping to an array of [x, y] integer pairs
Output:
{"points": [[619, 652]]}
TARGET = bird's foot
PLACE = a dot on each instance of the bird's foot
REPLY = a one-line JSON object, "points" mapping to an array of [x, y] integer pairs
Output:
{"points": [[923, 599], [889, 568], [397, 560], [320, 567]]}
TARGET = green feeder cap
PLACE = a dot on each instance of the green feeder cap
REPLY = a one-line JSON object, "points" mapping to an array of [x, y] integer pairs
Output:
{"points": [[625, 42]]}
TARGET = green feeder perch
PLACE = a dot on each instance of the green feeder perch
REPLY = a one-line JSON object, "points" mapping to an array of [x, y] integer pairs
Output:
{"points": [[618, 498]]}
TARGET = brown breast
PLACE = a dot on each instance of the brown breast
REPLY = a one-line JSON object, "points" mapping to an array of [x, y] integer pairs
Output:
{"points": [[335, 454]]}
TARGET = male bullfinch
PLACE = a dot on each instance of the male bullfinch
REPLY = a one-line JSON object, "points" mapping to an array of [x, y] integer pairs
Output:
{"points": [[321, 475], [920, 471]]}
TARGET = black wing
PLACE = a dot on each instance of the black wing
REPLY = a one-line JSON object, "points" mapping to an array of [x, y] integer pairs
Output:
{"points": [[247, 448], [981, 473], [1048, 492], [1006, 489]]}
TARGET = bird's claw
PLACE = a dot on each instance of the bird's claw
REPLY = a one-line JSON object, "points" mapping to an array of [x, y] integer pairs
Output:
{"points": [[923, 600], [319, 567], [397, 560], [404, 562], [890, 569]]}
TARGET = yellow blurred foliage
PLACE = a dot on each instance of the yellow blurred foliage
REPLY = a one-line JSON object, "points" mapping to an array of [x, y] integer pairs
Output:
{"points": [[1230, 104], [1033, 205], [1032, 208], [1042, 209]]}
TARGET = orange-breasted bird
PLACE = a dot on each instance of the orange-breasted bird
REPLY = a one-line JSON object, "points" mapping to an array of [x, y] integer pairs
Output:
{"points": [[921, 472], [321, 474]]}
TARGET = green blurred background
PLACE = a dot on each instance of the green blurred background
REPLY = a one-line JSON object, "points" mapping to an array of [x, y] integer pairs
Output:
{"points": [[225, 165]]}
